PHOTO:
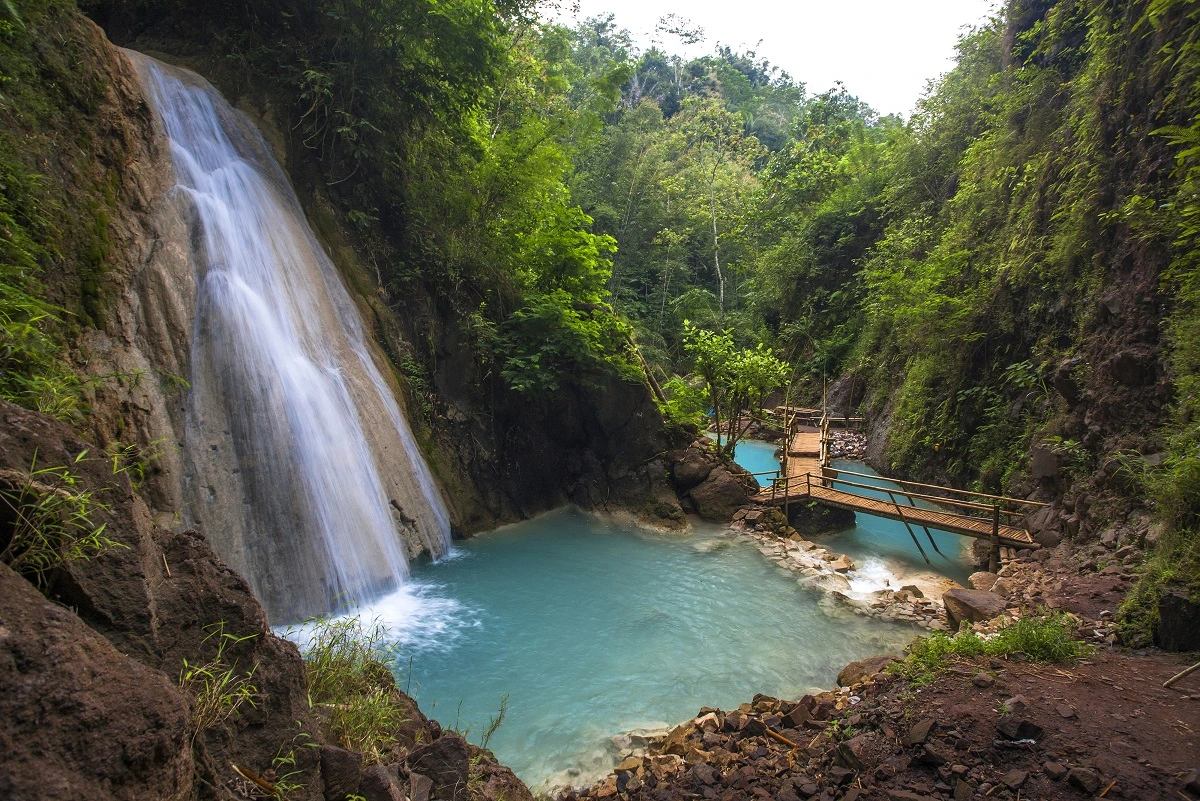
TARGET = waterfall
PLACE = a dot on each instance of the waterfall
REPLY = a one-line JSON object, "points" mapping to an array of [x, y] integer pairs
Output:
{"points": [[301, 468]]}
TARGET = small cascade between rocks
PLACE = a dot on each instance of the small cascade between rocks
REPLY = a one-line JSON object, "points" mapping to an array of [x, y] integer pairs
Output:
{"points": [[301, 468]]}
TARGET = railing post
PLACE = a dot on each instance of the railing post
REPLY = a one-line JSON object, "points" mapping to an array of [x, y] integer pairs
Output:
{"points": [[787, 497], [994, 558]]}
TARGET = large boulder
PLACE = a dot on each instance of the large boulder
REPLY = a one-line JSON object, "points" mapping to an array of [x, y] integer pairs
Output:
{"points": [[1046, 526], [855, 672], [719, 496], [82, 720], [692, 468], [982, 580], [971, 606], [1178, 627], [1043, 463], [446, 762]]}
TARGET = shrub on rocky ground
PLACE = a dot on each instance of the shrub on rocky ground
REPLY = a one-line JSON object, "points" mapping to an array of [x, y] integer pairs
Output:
{"points": [[350, 681], [1041, 638]]}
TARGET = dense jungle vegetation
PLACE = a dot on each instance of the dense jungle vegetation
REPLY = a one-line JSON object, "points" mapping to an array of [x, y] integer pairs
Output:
{"points": [[1014, 266]]}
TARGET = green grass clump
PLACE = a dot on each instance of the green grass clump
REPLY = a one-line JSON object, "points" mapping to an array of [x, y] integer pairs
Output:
{"points": [[350, 680], [219, 688], [47, 521], [1173, 564], [1041, 638]]}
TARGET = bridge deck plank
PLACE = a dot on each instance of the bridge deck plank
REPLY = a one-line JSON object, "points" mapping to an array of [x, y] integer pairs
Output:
{"points": [[932, 518]]}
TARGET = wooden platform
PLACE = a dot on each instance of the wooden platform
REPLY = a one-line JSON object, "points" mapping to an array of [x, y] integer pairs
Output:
{"points": [[816, 489], [804, 453]]}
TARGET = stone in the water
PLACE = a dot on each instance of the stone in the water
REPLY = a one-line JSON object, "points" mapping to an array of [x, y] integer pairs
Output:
{"points": [[630, 764], [719, 496], [692, 469]]}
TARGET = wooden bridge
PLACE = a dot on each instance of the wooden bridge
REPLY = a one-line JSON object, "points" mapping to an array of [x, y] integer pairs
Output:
{"points": [[806, 476]]}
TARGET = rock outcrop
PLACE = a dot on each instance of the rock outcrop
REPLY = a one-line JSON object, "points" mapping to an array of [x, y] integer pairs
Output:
{"points": [[711, 487], [91, 699], [972, 606], [80, 719], [856, 672]]}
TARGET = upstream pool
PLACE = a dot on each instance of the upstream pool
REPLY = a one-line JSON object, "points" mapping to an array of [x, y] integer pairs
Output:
{"points": [[591, 628]]}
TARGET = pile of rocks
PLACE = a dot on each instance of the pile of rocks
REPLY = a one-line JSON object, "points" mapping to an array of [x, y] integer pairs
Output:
{"points": [[847, 444], [757, 750], [707, 485], [834, 574], [984, 729]]}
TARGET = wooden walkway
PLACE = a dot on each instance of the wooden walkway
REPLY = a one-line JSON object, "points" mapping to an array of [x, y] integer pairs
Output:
{"points": [[816, 488], [807, 476], [804, 453]]}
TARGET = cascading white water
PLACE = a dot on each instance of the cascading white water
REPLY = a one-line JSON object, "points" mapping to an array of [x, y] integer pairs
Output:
{"points": [[301, 467]]}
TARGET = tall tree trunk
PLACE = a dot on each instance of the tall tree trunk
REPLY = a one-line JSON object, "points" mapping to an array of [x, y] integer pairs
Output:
{"points": [[712, 210], [712, 390]]}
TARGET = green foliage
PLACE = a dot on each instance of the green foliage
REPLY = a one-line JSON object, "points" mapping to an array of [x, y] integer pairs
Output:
{"points": [[737, 380], [47, 521], [220, 689], [287, 774], [134, 460], [552, 338], [685, 406], [1047, 638], [350, 679], [495, 723], [32, 371]]}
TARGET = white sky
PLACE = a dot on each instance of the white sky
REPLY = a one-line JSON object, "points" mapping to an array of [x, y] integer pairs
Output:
{"points": [[884, 51]]}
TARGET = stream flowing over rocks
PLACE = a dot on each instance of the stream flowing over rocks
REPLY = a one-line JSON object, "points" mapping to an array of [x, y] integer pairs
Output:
{"points": [[985, 728]]}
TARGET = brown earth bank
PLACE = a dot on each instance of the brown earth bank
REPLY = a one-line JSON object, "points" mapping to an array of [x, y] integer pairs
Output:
{"points": [[90, 699], [984, 728]]}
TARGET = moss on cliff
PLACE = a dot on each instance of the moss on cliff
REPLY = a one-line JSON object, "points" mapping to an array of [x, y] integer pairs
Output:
{"points": [[59, 184]]}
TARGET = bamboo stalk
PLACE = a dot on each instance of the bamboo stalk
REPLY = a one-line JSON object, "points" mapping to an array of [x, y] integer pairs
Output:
{"points": [[1182, 674]]}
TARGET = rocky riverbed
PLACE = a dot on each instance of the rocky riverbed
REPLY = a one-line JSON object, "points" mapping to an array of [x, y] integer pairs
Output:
{"points": [[984, 728], [847, 444], [917, 601]]}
